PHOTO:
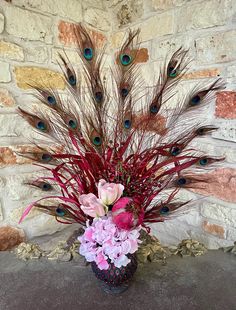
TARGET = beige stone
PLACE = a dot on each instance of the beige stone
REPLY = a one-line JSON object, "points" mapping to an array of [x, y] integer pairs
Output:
{"points": [[97, 18], [6, 99], [117, 38], [212, 13], [218, 212], [70, 9], [26, 76], [217, 48], [28, 25], [37, 54], [73, 56], [5, 74], [157, 26], [1, 213], [1, 23], [10, 50], [160, 5], [16, 214], [128, 12]]}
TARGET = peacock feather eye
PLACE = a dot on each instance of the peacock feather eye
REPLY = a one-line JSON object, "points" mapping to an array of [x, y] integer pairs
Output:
{"points": [[98, 96], [46, 187], [203, 161], [124, 92], [51, 100], [125, 59], [97, 141], [164, 210], [181, 181], [175, 150], [72, 80], [195, 100], [41, 126], [172, 72], [72, 123], [46, 157], [127, 124], [60, 212], [154, 109], [88, 53]]}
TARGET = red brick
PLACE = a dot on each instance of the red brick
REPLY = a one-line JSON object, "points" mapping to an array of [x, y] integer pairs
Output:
{"points": [[10, 237], [67, 36], [226, 105], [213, 229], [222, 184]]}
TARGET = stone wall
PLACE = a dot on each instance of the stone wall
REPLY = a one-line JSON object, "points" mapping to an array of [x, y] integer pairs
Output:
{"points": [[34, 31]]}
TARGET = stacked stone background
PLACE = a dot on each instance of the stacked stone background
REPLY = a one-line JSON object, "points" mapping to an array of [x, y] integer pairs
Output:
{"points": [[32, 32]]}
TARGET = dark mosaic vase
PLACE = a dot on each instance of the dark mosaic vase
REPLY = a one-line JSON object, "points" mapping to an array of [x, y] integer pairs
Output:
{"points": [[116, 280]]}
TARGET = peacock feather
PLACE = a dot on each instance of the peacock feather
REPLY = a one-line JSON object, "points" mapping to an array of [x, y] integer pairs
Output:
{"points": [[127, 135]]}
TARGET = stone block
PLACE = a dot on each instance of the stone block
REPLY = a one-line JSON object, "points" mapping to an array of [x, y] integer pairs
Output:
{"points": [[66, 35], [70, 9], [231, 234], [226, 105], [28, 25], [41, 225], [5, 74], [128, 12], [222, 184], [197, 16], [26, 76], [38, 54], [214, 229], [1, 213], [157, 26], [2, 21], [231, 71], [97, 18], [226, 130], [202, 74], [216, 48], [73, 56], [10, 50], [6, 99], [161, 5], [10, 237], [220, 213]]}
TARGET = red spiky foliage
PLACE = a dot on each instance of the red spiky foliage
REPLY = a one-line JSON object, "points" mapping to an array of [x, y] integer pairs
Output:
{"points": [[132, 137]]}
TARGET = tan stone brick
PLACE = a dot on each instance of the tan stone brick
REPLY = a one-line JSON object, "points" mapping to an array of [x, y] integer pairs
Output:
{"points": [[37, 54], [28, 25], [226, 105], [218, 212], [73, 56], [70, 9], [128, 12], [67, 36], [217, 48], [157, 26], [201, 74], [117, 39], [160, 5], [212, 13], [5, 74], [26, 76], [97, 18], [6, 99], [10, 50], [1, 23], [214, 229]]}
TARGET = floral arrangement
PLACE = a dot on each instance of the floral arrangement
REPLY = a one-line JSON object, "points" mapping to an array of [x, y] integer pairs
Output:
{"points": [[114, 231], [117, 166]]}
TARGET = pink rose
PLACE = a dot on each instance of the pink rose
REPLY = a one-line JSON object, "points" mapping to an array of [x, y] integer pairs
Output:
{"points": [[127, 214], [91, 205], [109, 193]]}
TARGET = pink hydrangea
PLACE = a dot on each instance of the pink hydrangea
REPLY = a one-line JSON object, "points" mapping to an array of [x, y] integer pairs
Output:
{"points": [[104, 242]]}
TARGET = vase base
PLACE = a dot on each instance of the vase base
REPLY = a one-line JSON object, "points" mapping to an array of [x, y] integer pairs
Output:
{"points": [[114, 290]]}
